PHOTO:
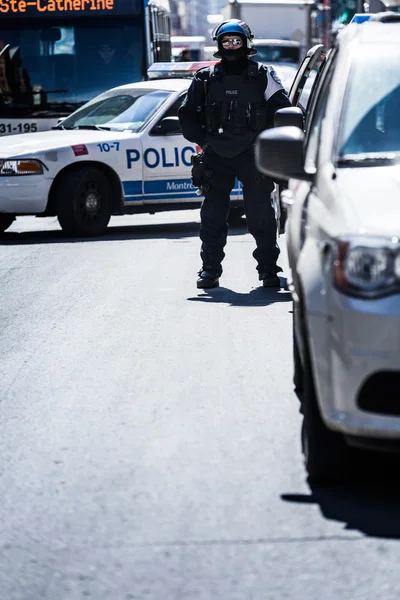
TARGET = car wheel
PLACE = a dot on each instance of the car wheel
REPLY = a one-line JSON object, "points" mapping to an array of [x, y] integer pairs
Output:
{"points": [[84, 202], [235, 216], [5, 221], [326, 455]]}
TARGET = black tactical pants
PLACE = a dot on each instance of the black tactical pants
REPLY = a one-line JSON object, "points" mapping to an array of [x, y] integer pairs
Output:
{"points": [[260, 215]]}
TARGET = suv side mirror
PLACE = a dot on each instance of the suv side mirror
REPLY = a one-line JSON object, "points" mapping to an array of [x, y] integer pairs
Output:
{"points": [[167, 126], [291, 116], [280, 154]]}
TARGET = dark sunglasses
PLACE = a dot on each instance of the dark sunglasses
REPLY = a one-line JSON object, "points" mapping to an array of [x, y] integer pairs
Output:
{"points": [[232, 42]]}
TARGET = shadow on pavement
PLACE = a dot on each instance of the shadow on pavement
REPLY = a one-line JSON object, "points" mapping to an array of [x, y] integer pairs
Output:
{"points": [[257, 297], [370, 506], [124, 232], [113, 233]]}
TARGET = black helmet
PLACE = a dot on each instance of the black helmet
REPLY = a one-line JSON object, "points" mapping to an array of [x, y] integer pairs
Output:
{"points": [[234, 26]]}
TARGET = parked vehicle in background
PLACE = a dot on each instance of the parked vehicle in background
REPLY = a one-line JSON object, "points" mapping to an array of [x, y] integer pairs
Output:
{"points": [[283, 55], [343, 233], [377, 6], [188, 47], [121, 153], [55, 57], [209, 53], [344, 11], [292, 20], [277, 51]]}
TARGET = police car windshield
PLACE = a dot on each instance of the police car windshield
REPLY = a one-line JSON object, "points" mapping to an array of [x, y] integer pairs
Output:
{"points": [[370, 126], [121, 111]]}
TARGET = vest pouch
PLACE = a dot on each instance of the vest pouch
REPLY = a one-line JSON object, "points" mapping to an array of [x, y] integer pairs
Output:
{"points": [[225, 115], [257, 118], [213, 118], [239, 117]]}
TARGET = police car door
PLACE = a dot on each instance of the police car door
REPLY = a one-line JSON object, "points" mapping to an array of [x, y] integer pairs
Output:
{"points": [[167, 161]]}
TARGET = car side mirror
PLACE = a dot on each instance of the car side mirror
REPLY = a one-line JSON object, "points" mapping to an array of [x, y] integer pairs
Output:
{"points": [[280, 153], [167, 126], [291, 116]]}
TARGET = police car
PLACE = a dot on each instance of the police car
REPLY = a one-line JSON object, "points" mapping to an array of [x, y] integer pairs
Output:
{"points": [[121, 153]]}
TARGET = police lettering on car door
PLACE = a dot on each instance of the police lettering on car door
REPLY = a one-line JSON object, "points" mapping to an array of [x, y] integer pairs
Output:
{"points": [[163, 157]]}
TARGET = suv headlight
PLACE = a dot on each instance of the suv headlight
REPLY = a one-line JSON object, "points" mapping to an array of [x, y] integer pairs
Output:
{"points": [[367, 267], [22, 166]]}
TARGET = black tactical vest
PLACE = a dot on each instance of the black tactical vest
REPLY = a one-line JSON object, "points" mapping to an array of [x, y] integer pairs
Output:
{"points": [[235, 109]]}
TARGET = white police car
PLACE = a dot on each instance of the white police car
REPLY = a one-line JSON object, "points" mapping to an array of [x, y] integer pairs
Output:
{"points": [[122, 152]]}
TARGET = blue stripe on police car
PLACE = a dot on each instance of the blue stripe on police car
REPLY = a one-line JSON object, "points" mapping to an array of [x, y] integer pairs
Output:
{"points": [[164, 157], [159, 187], [132, 188], [170, 185], [163, 189]]}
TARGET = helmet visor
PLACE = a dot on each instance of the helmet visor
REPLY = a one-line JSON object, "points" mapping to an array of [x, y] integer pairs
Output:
{"points": [[232, 42]]}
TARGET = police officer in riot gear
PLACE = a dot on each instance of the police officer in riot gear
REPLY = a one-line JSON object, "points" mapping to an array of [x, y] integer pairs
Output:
{"points": [[226, 107]]}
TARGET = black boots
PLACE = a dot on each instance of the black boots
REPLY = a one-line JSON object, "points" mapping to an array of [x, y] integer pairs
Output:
{"points": [[270, 280], [208, 278]]}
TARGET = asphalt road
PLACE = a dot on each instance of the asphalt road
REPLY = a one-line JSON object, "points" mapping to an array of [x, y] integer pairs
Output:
{"points": [[149, 434]]}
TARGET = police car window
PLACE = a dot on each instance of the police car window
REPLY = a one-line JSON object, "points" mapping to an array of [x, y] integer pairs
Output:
{"points": [[119, 112], [173, 110], [370, 123]]}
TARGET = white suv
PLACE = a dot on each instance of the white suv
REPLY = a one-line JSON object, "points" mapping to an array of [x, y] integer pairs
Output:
{"points": [[342, 160]]}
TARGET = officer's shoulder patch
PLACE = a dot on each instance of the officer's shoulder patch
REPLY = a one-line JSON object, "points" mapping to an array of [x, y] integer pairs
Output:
{"points": [[274, 75]]}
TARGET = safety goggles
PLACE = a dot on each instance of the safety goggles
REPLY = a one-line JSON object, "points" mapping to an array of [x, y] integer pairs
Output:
{"points": [[235, 42]]}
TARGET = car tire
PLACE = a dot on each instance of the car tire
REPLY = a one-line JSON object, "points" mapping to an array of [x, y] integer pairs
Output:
{"points": [[327, 457], [5, 221], [83, 200]]}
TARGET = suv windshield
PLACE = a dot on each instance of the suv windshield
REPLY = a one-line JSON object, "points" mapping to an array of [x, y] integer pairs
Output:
{"points": [[371, 119], [117, 112]]}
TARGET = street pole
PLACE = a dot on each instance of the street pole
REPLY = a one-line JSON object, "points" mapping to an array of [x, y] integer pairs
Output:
{"points": [[326, 23]]}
